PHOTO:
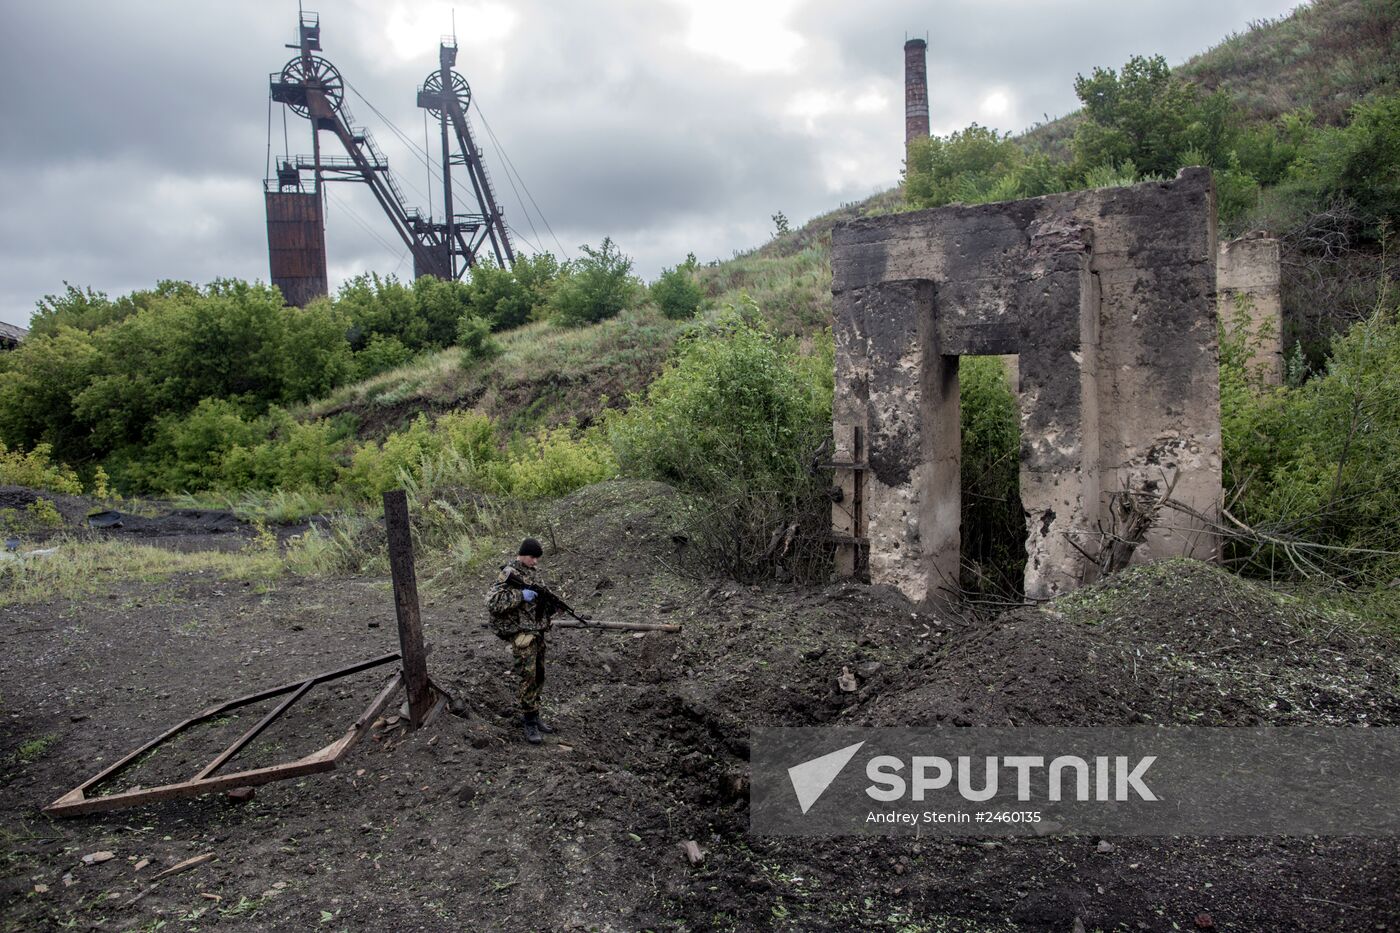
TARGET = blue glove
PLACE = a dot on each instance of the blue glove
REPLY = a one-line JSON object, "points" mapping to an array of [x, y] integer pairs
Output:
{"points": [[528, 595]]}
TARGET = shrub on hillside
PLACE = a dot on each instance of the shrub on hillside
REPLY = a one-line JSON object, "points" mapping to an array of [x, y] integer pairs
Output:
{"points": [[595, 287], [467, 437], [37, 470], [508, 298], [381, 353], [737, 418], [976, 166], [552, 463], [1312, 468], [475, 340], [676, 292]]}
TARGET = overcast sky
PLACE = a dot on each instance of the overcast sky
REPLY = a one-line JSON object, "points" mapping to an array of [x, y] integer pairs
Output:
{"points": [[135, 134]]}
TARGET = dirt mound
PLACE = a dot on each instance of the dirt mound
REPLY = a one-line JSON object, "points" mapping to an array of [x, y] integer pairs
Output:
{"points": [[1176, 642]]}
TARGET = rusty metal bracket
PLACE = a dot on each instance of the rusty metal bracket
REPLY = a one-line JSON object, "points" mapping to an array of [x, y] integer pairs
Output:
{"points": [[77, 802]]}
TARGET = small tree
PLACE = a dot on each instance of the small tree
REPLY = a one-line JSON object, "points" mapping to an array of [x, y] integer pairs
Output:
{"points": [[676, 292], [594, 288]]}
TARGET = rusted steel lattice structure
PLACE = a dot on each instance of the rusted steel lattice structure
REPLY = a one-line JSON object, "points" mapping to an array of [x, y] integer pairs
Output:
{"points": [[424, 702], [311, 87]]}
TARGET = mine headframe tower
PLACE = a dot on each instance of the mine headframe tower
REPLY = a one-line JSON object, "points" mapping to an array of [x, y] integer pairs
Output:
{"points": [[313, 88], [446, 95]]}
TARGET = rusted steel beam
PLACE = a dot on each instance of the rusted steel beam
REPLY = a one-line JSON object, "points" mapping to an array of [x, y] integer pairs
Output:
{"points": [[415, 663], [76, 801], [252, 733]]}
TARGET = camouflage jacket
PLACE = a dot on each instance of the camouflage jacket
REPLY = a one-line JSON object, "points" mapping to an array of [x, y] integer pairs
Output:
{"points": [[509, 611]]}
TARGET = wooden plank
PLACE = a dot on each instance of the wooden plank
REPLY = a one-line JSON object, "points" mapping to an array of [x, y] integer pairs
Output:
{"points": [[415, 663]]}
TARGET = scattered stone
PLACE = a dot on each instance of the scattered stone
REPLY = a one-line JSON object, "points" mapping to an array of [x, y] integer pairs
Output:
{"points": [[478, 740], [465, 795], [1204, 921], [67, 879], [141, 864], [1104, 847], [97, 858], [41, 889], [1078, 926], [692, 851], [241, 794], [869, 669], [734, 785], [846, 680]]}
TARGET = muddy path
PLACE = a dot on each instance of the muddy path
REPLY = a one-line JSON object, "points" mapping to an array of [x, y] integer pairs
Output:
{"points": [[463, 826]]}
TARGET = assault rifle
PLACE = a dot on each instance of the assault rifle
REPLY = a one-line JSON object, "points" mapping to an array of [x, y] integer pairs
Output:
{"points": [[549, 603]]}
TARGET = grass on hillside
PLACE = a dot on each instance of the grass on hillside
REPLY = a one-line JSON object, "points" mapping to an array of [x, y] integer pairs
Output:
{"points": [[547, 375], [544, 375], [1326, 55]]}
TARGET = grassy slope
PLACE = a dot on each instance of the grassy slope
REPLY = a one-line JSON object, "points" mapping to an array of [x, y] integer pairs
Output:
{"points": [[1327, 55]]}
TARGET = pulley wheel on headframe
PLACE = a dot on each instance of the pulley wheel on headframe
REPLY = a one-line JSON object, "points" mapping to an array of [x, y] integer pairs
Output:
{"points": [[319, 75], [433, 86]]}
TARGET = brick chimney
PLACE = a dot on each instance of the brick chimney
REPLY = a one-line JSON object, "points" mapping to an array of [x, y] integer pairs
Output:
{"points": [[915, 91]]}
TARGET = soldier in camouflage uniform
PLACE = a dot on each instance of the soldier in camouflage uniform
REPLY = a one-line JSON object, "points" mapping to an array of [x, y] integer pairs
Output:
{"points": [[519, 616]]}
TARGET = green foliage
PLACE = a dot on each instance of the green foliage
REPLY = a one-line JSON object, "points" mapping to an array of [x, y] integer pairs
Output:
{"points": [[1312, 468], [676, 292], [736, 405], [508, 298], [420, 316], [464, 436], [88, 310], [993, 522], [1148, 116], [595, 287], [736, 419], [1359, 162], [976, 166], [553, 463], [37, 470], [474, 338], [381, 353]]}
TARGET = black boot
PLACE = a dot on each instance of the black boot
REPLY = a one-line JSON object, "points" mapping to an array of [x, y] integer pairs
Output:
{"points": [[532, 730], [543, 726]]}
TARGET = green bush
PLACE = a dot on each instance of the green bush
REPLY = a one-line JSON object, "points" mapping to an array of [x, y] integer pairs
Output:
{"points": [[976, 166], [466, 437], [381, 353], [1312, 468], [737, 419], [594, 288], [993, 522], [37, 470], [676, 292], [475, 340], [508, 298], [553, 463]]}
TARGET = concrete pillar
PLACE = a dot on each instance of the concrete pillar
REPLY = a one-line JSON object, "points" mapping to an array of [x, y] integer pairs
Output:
{"points": [[1248, 277], [906, 399]]}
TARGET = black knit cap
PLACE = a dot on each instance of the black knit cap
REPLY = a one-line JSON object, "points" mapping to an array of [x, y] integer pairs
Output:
{"points": [[530, 548]]}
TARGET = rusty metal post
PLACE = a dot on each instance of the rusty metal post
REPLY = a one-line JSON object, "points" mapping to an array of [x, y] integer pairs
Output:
{"points": [[415, 662]]}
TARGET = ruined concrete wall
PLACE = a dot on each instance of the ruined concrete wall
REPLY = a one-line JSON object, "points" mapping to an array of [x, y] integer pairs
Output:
{"points": [[1107, 296], [1248, 283]]}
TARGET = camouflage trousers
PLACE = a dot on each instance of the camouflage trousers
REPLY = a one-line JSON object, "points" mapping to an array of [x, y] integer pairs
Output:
{"points": [[527, 653]]}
